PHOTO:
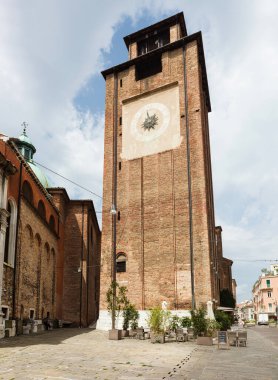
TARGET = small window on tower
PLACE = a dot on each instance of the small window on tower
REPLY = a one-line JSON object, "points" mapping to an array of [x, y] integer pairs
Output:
{"points": [[120, 120], [121, 263]]}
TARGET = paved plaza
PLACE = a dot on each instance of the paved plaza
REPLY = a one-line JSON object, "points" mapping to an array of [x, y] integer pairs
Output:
{"points": [[87, 354]]}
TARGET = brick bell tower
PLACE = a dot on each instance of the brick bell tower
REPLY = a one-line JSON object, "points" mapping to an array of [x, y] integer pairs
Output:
{"points": [[157, 173]]}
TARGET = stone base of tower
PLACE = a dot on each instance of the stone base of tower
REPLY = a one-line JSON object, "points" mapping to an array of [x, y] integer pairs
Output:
{"points": [[104, 321]]}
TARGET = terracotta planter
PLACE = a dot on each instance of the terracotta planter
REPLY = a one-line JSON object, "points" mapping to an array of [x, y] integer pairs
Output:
{"points": [[125, 333], [115, 334], [204, 340], [26, 330], [132, 333], [157, 337]]}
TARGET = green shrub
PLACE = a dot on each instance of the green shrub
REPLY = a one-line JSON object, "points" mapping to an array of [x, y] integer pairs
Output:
{"points": [[175, 323], [158, 320], [212, 326], [130, 316], [186, 322], [223, 319], [201, 325], [199, 322]]}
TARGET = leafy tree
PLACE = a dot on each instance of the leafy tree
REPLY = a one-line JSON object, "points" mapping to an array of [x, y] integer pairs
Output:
{"points": [[121, 300]]}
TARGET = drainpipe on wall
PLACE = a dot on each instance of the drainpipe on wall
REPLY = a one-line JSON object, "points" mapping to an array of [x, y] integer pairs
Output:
{"points": [[189, 180], [16, 240], [81, 268]]}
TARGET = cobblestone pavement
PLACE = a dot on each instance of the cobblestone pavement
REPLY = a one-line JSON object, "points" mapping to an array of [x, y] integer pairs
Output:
{"points": [[72, 354]]}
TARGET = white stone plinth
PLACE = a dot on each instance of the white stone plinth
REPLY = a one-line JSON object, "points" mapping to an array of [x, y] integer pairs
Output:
{"points": [[104, 321]]}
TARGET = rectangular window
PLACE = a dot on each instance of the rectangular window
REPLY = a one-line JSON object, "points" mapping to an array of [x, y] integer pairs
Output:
{"points": [[120, 166], [121, 83], [121, 266], [32, 314], [270, 306], [148, 67], [5, 311], [269, 294], [153, 42], [120, 120], [268, 283]]}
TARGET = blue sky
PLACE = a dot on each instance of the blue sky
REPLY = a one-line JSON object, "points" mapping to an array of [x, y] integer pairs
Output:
{"points": [[51, 55]]}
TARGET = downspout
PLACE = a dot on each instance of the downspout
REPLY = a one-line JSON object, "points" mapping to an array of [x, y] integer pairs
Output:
{"points": [[114, 196], [81, 268], [189, 179], [87, 269], [16, 239]]}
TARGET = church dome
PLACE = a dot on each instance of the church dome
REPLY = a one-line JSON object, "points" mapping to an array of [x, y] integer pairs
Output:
{"points": [[27, 150], [40, 175]]}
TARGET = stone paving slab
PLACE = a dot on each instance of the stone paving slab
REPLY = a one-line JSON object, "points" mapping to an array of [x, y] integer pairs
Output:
{"points": [[82, 354]]}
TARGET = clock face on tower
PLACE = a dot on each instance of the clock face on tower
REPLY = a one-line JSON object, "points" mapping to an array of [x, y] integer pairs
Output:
{"points": [[151, 123]]}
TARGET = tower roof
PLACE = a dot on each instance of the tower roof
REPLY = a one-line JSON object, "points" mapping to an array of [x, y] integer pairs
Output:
{"points": [[25, 140], [176, 19]]}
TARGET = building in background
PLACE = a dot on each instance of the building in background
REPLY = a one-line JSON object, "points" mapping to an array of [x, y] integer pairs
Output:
{"points": [[265, 293], [78, 267], [52, 247], [245, 311], [226, 284], [157, 175]]}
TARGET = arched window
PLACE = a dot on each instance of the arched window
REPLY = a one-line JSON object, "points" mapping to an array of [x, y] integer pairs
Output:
{"points": [[27, 192], [41, 209], [47, 251], [52, 222], [9, 252], [121, 262], [7, 241]]}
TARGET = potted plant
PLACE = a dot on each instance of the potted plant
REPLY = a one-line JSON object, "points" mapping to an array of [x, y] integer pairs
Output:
{"points": [[186, 322], [158, 321], [203, 328], [223, 319], [130, 318], [175, 323], [119, 303]]}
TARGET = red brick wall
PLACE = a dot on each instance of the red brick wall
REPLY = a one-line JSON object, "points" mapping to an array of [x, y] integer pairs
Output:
{"points": [[81, 263], [153, 198], [35, 269]]}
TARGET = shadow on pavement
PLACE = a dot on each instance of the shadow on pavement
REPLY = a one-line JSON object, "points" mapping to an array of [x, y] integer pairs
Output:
{"points": [[52, 337]]}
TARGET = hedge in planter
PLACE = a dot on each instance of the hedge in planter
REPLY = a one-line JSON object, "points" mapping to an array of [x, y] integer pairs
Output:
{"points": [[203, 328]]}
